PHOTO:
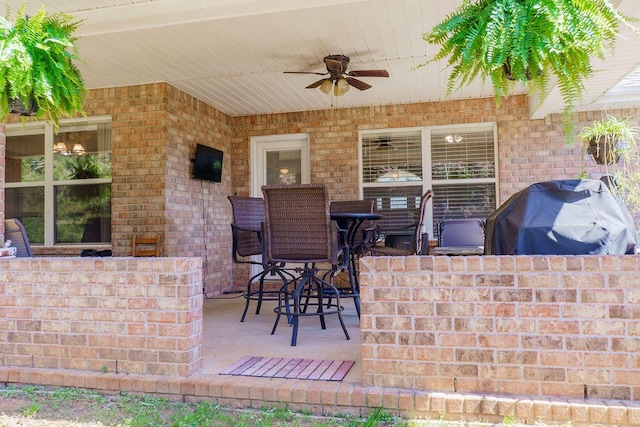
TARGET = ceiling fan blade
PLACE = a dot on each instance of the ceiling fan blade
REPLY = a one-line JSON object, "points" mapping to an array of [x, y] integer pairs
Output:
{"points": [[333, 65], [305, 72], [315, 84], [369, 73], [359, 84]]}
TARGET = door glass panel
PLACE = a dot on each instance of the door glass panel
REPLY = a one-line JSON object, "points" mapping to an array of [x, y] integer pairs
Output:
{"points": [[284, 167]]}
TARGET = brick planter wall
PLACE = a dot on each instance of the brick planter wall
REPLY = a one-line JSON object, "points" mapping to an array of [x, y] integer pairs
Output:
{"points": [[116, 315], [565, 326]]}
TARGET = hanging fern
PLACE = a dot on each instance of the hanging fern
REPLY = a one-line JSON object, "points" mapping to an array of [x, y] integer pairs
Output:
{"points": [[527, 41], [37, 55]]}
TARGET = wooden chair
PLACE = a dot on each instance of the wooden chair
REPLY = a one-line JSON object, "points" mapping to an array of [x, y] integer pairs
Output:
{"points": [[145, 246]]}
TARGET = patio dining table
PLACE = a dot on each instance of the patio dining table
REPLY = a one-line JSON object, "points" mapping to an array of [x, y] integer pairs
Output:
{"points": [[350, 224]]}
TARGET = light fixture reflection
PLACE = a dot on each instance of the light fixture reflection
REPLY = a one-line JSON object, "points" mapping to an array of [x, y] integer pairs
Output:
{"points": [[453, 138], [284, 171], [341, 87], [326, 86], [78, 149], [60, 148]]}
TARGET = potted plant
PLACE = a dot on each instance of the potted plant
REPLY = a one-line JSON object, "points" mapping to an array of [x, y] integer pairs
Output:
{"points": [[613, 143], [607, 141], [37, 73], [528, 42]]}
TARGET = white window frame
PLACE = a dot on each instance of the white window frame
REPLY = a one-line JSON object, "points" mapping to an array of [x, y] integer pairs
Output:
{"points": [[16, 129], [427, 181]]}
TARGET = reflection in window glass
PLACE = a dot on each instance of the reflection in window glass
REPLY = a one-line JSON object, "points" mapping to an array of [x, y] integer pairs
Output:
{"points": [[83, 213], [284, 167], [82, 153], [392, 157], [25, 158], [27, 204]]}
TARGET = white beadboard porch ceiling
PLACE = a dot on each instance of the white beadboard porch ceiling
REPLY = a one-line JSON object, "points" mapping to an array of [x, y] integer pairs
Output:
{"points": [[232, 54]]}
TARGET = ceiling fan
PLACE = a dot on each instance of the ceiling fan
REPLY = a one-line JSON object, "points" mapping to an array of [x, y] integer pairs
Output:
{"points": [[339, 79]]}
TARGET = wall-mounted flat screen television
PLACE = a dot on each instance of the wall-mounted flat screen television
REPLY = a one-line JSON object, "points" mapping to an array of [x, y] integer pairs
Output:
{"points": [[208, 164]]}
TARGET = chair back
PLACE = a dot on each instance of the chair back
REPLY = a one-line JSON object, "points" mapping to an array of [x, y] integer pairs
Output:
{"points": [[145, 246], [297, 224], [14, 231], [248, 216], [462, 232], [419, 235]]}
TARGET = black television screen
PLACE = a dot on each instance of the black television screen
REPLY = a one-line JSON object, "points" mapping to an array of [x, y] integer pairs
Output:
{"points": [[208, 163]]}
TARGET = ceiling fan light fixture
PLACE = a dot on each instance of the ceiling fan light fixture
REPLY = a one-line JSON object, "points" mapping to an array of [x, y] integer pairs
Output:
{"points": [[326, 86], [341, 87]]}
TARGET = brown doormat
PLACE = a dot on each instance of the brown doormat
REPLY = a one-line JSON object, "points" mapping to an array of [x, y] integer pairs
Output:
{"points": [[279, 367]]}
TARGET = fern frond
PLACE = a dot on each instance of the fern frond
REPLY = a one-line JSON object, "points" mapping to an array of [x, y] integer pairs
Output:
{"points": [[531, 39], [36, 62]]}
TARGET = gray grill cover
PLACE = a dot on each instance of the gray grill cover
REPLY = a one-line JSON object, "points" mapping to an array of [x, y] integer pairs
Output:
{"points": [[565, 217]]}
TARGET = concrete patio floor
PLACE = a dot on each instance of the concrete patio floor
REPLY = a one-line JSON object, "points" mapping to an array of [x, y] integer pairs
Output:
{"points": [[227, 340]]}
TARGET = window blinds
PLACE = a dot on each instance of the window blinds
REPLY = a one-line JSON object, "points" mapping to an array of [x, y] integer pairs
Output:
{"points": [[392, 157]]}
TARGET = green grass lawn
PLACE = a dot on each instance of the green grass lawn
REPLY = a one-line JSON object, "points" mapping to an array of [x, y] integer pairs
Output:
{"points": [[72, 407]]}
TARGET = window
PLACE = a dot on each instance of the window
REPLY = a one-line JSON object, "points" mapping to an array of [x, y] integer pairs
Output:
{"points": [[457, 162], [59, 185]]}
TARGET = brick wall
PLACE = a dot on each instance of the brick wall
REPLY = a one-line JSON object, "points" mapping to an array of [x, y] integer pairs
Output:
{"points": [[119, 315], [565, 326], [529, 151], [154, 131], [197, 213]]}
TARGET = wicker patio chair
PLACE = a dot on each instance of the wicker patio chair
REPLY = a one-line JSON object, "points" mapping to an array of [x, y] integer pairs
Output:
{"points": [[297, 229], [14, 231], [248, 216], [418, 236]]}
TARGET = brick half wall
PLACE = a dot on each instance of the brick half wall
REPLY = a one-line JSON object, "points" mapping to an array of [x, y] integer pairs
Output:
{"points": [[565, 326], [117, 315]]}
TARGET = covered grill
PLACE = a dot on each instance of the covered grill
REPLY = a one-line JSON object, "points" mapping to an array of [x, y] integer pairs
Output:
{"points": [[564, 217]]}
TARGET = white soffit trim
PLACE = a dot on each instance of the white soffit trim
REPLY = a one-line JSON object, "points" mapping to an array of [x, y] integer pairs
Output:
{"points": [[160, 13]]}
